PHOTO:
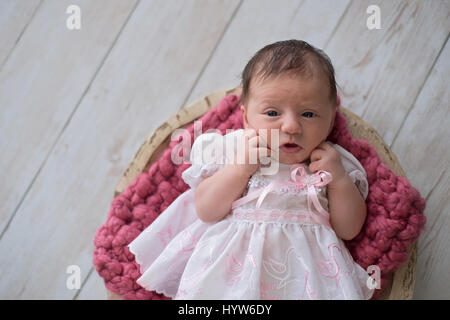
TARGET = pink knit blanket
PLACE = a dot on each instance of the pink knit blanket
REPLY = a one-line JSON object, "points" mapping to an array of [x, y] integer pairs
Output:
{"points": [[394, 216]]}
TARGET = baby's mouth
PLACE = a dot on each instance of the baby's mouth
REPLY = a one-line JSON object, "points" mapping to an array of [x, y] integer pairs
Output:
{"points": [[290, 148]]}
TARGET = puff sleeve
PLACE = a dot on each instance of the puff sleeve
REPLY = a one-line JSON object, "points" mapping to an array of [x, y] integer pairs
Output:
{"points": [[355, 170], [206, 157]]}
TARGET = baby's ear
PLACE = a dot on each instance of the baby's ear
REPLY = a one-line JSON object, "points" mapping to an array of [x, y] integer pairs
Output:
{"points": [[332, 121], [244, 116]]}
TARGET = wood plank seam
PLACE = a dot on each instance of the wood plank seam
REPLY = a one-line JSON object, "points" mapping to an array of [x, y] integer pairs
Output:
{"points": [[11, 218], [77, 293], [20, 35], [435, 185], [213, 51], [336, 27], [413, 104]]}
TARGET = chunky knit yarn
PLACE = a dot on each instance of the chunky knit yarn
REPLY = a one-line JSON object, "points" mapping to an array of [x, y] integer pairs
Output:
{"points": [[394, 208]]}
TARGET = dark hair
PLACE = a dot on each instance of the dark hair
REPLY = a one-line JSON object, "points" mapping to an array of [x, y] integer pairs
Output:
{"points": [[291, 55]]}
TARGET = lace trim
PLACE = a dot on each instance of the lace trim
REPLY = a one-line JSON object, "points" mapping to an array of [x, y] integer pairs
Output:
{"points": [[273, 215], [260, 182], [158, 290], [357, 177], [360, 180], [196, 173]]}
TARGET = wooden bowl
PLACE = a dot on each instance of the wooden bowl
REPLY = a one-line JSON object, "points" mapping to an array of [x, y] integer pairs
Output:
{"points": [[401, 283]]}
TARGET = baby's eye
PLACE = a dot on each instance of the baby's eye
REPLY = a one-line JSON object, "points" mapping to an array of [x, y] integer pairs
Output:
{"points": [[309, 114], [272, 113]]}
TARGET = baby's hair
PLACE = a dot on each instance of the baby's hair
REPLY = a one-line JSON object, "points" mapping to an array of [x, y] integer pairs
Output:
{"points": [[295, 56]]}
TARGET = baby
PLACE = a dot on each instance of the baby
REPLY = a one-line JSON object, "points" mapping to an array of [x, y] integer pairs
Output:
{"points": [[241, 234]]}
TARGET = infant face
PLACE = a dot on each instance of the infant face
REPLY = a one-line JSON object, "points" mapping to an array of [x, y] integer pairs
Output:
{"points": [[298, 107]]}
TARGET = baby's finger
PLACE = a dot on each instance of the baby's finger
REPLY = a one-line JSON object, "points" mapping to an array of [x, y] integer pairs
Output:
{"points": [[314, 166], [317, 154], [249, 133], [325, 145]]}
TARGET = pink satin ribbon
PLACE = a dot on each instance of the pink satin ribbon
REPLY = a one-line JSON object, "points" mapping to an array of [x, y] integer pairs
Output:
{"points": [[300, 179]]}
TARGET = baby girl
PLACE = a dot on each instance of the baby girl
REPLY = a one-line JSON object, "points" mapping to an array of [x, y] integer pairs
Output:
{"points": [[241, 234]]}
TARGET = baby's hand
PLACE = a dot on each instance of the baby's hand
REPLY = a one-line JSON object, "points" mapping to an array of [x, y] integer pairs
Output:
{"points": [[252, 152], [327, 158]]}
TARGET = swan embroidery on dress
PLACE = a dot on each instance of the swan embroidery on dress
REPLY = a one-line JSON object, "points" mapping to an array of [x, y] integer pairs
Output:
{"points": [[330, 268], [282, 270], [234, 268], [187, 242], [165, 235], [286, 280], [312, 295], [268, 291], [189, 282], [237, 269]]}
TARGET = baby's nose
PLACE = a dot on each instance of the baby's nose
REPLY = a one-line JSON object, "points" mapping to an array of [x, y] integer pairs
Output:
{"points": [[291, 125]]}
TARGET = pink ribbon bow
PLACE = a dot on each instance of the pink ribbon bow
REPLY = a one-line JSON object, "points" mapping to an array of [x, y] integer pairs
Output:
{"points": [[299, 179]]}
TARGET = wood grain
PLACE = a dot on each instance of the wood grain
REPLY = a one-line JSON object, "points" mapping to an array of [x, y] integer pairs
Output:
{"points": [[433, 278], [260, 22], [422, 146], [14, 19], [380, 72], [42, 83], [56, 223]]}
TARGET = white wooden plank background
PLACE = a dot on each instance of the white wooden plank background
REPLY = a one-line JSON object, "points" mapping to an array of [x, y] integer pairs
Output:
{"points": [[76, 105], [14, 19], [426, 157], [260, 22], [41, 85]]}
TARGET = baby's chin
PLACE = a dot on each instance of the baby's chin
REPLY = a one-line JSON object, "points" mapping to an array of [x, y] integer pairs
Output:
{"points": [[292, 159]]}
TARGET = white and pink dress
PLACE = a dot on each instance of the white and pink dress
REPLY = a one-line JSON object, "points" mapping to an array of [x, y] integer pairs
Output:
{"points": [[276, 243]]}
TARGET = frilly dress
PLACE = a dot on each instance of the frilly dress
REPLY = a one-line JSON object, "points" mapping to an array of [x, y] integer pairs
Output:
{"points": [[276, 243]]}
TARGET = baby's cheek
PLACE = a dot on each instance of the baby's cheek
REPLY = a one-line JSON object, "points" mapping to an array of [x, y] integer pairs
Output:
{"points": [[273, 138], [264, 137]]}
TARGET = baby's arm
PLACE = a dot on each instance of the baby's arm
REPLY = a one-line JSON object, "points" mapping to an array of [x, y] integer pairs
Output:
{"points": [[215, 194], [347, 208], [346, 205]]}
